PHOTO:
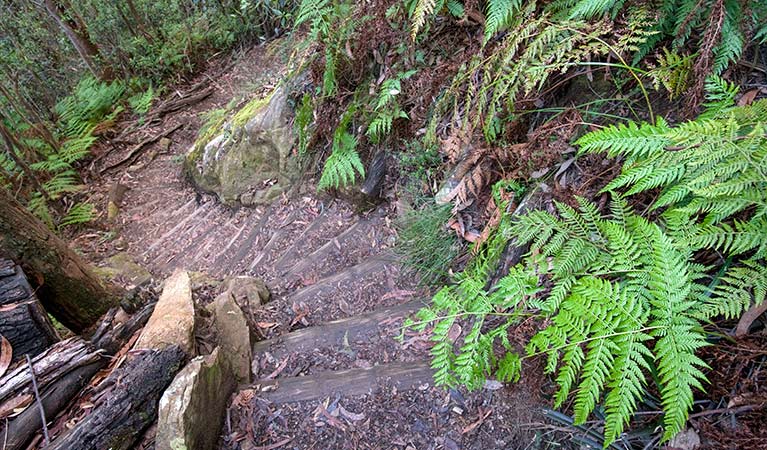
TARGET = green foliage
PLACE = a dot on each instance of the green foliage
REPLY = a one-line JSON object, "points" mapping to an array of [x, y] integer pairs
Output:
{"points": [[78, 214], [428, 247], [142, 101], [673, 73], [683, 20], [330, 24], [387, 109], [90, 103], [486, 89], [343, 164], [624, 297], [302, 122]]}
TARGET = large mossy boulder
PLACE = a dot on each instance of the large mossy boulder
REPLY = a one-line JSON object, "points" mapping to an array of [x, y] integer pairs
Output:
{"points": [[247, 160]]}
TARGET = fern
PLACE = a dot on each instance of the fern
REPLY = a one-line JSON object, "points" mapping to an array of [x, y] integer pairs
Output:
{"points": [[343, 164], [499, 15], [78, 214], [423, 8], [625, 297], [387, 109]]}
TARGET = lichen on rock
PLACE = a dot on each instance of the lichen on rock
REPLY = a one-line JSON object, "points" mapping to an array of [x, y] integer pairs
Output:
{"points": [[247, 160]]}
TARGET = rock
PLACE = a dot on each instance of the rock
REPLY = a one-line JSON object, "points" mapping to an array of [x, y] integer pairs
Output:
{"points": [[234, 336], [191, 410], [249, 292], [686, 440], [249, 162], [122, 266], [172, 321]]}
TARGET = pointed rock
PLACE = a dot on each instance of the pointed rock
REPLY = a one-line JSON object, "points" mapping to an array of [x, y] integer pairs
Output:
{"points": [[234, 336], [192, 408], [172, 322]]}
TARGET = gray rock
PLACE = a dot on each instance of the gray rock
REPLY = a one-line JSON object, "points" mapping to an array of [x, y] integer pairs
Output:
{"points": [[121, 266], [192, 408], [172, 321], [249, 161], [249, 292], [234, 336]]}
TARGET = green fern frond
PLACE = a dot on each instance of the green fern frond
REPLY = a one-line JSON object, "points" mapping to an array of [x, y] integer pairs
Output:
{"points": [[498, 15], [78, 214], [423, 8]]}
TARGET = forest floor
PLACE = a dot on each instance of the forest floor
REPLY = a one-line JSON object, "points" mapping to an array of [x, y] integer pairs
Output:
{"points": [[324, 261]]}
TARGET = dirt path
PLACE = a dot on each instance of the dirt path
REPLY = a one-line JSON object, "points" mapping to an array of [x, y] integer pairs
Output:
{"points": [[331, 370]]}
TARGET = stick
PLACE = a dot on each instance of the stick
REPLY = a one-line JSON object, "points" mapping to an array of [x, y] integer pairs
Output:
{"points": [[140, 146], [37, 400]]}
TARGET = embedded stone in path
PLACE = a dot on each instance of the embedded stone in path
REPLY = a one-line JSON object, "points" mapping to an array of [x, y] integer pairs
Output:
{"points": [[172, 322]]}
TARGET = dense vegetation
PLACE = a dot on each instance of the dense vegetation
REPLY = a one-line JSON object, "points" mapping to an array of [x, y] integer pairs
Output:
{"points": [[477, 97]]}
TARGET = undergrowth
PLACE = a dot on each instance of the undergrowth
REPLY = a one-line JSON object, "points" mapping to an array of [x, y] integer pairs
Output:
{"points": [[624, 300]]}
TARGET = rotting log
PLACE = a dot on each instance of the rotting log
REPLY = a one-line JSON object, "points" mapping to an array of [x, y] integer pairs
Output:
{"points": [[23, 321], [112, 334], [65, 284], [127, 405], [60, 373]]}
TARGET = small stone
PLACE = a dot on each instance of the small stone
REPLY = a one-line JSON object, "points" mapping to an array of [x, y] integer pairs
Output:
{"points": [[234, 336], [191, 410], [493, 385], [686, 440], [250, 293], [172, 321]]}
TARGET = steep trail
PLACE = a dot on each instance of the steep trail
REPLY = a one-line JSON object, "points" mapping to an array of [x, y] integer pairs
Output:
{"points": [[334, 368]]}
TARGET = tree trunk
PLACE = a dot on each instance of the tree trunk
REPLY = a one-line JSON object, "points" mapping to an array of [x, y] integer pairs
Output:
{"points": [[60, 373], [67, 286], [80, 38]]}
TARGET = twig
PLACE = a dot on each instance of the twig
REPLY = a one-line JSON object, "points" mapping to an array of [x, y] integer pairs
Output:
{"points": [[275, 445], [38, 401], [739, 409], [140, 146]]}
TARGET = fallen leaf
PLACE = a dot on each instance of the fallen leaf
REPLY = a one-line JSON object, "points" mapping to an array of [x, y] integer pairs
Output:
{"points": [[21, 401], [6, 355], [748, 97], [354, 417]]}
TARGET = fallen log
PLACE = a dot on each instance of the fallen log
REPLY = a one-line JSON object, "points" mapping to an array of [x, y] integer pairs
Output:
{"points": [[127, 405], [60, 373], [23, 321], [112, 335]]}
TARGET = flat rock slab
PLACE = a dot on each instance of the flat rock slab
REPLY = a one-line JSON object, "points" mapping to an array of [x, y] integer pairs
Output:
{"points": [[192, 408], [172, 322]]}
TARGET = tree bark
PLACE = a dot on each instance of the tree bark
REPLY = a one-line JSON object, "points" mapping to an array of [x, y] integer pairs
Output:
{"points": [[67, 286], [127, 406], [23, 321], [78, 35], [59, 373]]}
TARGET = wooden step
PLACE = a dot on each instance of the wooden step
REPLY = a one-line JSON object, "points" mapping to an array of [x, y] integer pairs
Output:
{"points": [[338, 333], [404, 376]]}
